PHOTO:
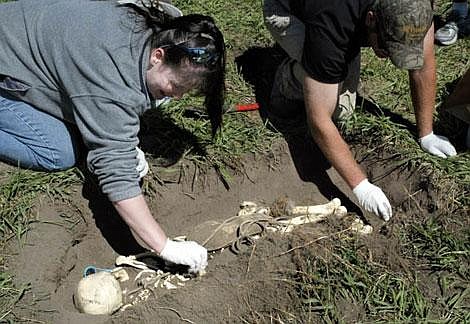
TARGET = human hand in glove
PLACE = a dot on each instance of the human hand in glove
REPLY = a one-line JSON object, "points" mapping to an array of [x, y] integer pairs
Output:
{"points": [[187, 253], [373, 199], [142, 165], [437, 145]]}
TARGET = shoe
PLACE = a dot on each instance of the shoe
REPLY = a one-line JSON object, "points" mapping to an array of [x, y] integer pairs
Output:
{"points": [[345, 107], [449, 33]]}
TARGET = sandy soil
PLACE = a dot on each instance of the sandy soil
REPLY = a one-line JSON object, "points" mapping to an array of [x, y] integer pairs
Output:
{"points": [[58, 249], [251, 286]]}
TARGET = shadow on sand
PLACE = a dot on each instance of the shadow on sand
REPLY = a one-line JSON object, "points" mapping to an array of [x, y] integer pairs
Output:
{"points": [[157, 132], [258, 66]]}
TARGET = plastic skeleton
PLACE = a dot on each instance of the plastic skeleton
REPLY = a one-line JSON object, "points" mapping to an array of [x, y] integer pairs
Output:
{"points": [[303, 215], [253, 220], [249, 223], [314, 214], [139, 280], [144, 281]]}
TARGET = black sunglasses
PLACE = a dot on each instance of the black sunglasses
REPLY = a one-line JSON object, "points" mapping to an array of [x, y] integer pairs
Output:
{"points": [[198, 55]]}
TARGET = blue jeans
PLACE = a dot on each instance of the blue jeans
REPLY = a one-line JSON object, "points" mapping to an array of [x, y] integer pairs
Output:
{"points": [[32, 139]]}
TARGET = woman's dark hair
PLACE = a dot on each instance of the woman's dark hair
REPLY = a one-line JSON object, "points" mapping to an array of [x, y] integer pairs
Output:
{"points": [[193, 39]]}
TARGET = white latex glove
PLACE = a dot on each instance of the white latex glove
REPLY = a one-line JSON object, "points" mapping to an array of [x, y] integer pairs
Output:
{"points": [[161, 102], [187, 253], [373, 199], [142, 165], [437, 145]]}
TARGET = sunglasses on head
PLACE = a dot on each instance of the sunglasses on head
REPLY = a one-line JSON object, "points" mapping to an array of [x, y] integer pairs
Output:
{"points": [[198, 55]]}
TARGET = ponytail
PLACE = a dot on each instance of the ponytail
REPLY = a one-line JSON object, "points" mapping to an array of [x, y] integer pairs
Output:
{"points": [[194, 38]]}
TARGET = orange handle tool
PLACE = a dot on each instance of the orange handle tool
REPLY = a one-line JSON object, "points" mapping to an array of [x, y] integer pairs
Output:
{"points": [[247, 107]]}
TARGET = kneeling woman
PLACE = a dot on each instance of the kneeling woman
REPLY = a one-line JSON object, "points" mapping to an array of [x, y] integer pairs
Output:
{"points": [[84, 72]]}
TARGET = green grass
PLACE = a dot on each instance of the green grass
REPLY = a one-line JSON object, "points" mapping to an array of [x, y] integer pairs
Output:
{"points": [[437, 256], [347, 287], [18, 197], [444, 251], [9, 295], [19, 194]]}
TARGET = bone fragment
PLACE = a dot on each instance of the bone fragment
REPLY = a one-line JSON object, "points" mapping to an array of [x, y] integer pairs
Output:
{"points": [[247, 204], [144, 294], [120, 274], [327, 208], [169, 285], [359, 227], [248, 207], [152, 273], [340, 211], [131, 261], [201, 273], [308, 214], [181, 278]]}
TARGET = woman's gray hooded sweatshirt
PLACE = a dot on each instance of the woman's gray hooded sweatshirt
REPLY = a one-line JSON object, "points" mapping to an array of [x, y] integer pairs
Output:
{"points": [[84, 62]]}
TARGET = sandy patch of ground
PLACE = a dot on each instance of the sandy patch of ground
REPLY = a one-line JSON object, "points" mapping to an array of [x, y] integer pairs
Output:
{"points": [[255, 285]]}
